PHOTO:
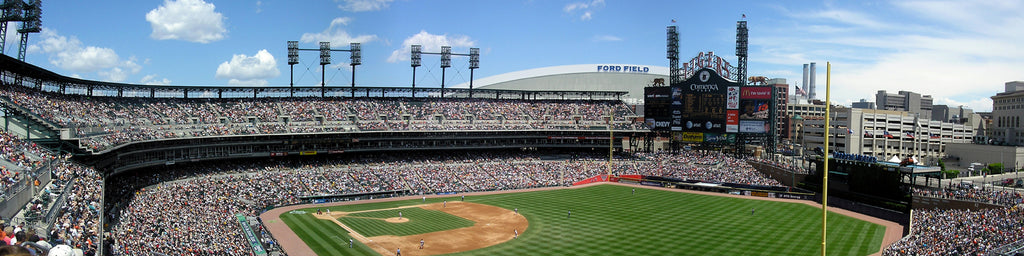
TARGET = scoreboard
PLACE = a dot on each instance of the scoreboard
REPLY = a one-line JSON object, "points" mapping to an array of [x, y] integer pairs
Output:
{"points": [[708, 108], [699, 103]]}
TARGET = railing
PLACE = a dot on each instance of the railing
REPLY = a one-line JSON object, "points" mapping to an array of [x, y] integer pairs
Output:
{"points": [[51, 215], [1011, 249]]}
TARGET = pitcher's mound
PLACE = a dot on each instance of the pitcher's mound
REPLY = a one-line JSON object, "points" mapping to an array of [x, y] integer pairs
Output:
{"points": [[397, 220]]}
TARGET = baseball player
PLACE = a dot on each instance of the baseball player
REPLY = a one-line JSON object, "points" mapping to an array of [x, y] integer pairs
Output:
{"points": [[421, 243], [350, 243], [517, 233], [444, 204], [751, 211], [398, 252], [634, 191], [569, 215], [399, 215], [517, 210]]}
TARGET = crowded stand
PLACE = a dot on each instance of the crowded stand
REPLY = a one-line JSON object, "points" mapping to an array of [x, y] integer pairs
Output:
{"points": [[18, 158], [76, 221], [104, 122], [961, 232], [148, 219], [970, 192]]}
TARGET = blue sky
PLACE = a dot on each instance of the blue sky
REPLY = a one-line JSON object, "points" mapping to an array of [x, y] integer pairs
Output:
{"points": [[960, 52]]}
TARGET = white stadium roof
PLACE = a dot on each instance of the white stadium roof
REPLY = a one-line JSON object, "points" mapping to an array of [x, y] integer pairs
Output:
{"points": [[583, 77]]}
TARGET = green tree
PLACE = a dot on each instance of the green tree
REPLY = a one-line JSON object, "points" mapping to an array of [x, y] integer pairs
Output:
{"points": [[949, 174], [942, 165], [995, 168]]}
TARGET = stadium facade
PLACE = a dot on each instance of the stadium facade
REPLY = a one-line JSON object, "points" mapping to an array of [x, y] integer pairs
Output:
{"points": [[583, 77]]}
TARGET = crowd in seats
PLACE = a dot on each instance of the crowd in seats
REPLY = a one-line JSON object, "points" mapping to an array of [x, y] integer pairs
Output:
{"points": [[170, 211], [961, 232], [104, 122], [76, 221], [22, 156], [969, 192]]}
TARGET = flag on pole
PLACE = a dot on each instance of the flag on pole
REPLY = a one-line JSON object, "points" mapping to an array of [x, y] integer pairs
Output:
{"points": [[800, 91], [673, 20], [887, 135], [910, 135]]}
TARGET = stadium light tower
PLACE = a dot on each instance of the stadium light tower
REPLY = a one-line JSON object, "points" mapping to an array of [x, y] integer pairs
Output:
{"points": [[356, 58], [31, 24], [741, 51], [474, 63], [18, 11], [672, 44], [415, 60], [325, 59], [293, 58], [446, 62]]}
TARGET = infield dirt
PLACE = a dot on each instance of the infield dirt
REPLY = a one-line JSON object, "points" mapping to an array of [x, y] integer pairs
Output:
{"points": [[494, 225]]}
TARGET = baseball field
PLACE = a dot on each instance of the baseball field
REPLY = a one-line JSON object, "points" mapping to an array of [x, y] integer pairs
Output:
{"points": [[592, 220]]}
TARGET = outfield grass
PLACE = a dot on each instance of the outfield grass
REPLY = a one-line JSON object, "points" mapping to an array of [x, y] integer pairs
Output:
{"points": [[608, 220]]}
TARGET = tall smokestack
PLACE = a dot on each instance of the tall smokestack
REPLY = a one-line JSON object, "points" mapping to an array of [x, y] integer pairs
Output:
{"points": [[805, 84], [811, 92]]}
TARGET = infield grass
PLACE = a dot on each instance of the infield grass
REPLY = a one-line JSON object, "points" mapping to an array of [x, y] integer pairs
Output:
{"points": [[420, 222], [609, 220]]}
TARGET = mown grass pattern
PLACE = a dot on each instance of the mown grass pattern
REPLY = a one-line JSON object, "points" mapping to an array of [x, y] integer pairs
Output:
{"points": [[609, 220], [420, 222], [323, 236]]}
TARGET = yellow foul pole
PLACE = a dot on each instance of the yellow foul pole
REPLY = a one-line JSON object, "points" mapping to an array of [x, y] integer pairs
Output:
{"points": [[611, 140], [824, 179]]}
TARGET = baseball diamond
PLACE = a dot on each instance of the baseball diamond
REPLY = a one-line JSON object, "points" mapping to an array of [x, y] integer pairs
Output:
{"points": [[608, 219]]}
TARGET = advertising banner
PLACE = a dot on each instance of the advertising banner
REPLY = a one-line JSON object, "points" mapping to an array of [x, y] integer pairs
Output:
{"points": [[724, 138], [732, 97], [756, 93], [693, 137], [732, 121], [753, 126], [754, 109]]}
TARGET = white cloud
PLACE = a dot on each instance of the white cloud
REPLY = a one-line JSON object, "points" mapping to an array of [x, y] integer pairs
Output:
{"points": [[152, 80], [363, 5], [336, 34], [606, 38], [246, 70], [958, 52], [69, 53], [188, 20], [115, 74], [430, 43], [586, 8]]}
